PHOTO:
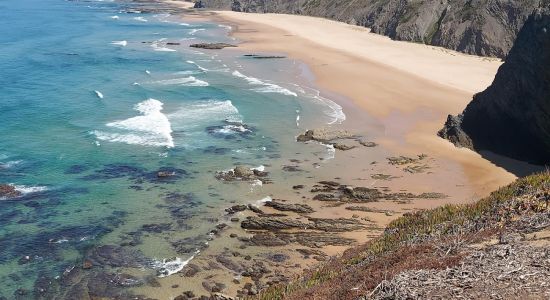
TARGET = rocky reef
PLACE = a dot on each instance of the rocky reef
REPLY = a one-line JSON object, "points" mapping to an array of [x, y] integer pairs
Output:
{"points": [[211, 46], [512, 116], [482, 27], [495, 248]]}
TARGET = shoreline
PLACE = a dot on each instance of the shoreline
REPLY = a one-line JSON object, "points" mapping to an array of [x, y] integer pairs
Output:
{"points": [[409, 107], [407, 110]]}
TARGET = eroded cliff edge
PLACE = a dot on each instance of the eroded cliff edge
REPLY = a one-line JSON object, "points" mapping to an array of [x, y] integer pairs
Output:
{"points": [[512, 116], [481, 27]]}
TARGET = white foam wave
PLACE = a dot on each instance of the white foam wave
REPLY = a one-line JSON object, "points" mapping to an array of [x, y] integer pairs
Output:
{"points": [[168, 267], [9, 164], [225, 26], [273, 88], [24, 189], [260, 168], [333, 110], [115, 17], [152, 128], [141, 19], [119, 43], [331, 152], [231, 129], [200, 113], [266, 87], [193, 31], [159, 46], [185, 81], [98, 94], [187, 72], [147, 72], [263, 201], [197, 65]]}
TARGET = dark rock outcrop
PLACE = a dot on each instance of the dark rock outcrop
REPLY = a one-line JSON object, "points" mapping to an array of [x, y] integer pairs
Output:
{"points": [[482, 27], [211, 46], [512, 116], [8, 191], [297, 208]]}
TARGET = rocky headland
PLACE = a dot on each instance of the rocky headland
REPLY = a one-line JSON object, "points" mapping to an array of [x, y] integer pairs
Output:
{"points": [[512, 116]]}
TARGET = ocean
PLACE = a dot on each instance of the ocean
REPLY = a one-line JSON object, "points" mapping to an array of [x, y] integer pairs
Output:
{"points": [[113, 129]]}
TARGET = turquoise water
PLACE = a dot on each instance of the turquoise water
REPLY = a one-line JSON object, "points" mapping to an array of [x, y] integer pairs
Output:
{"points": [[94, 102]]}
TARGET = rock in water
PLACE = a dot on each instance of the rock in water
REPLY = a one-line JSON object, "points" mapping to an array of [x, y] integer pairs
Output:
{"points": [[211, 46], [8, 191], [243, 172], [323, 135], [512, 116]]}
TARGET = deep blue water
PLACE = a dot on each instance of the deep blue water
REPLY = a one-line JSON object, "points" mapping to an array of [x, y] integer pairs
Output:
{"points": [[94, 103]]}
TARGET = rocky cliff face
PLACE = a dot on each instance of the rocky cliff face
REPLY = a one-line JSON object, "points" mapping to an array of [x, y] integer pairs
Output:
{"points": [[512, 117], [482, 27]]}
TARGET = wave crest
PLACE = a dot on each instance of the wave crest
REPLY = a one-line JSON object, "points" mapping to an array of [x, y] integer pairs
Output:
{"points": [[152, 128], [266, 87]]}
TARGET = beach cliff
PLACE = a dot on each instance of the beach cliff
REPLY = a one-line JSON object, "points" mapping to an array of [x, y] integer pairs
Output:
{"points": [[512, 116], [481, 27]]}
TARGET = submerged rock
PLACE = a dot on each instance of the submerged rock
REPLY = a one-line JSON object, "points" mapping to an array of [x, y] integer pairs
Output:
{"points": [[242, 173], [236, 208], [115, 256], [257, 56], [211, 46], [343, 147]]}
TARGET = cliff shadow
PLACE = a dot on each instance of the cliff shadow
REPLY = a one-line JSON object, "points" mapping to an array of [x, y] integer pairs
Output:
{"points": [[516, 167]]}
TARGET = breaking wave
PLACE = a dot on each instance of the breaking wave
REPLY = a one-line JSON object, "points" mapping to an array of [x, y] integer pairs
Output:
{"points": [[265, 87], [152, 128]]}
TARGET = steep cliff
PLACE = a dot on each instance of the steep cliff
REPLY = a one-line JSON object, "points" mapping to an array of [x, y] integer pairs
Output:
{"points": [[482, 27], [512, 116]]}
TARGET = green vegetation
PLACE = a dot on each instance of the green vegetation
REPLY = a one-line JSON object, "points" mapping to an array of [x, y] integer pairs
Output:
{"points": [[527, 195]]}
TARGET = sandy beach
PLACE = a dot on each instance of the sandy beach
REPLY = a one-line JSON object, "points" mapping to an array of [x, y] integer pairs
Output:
{"points": [[410, 88]]}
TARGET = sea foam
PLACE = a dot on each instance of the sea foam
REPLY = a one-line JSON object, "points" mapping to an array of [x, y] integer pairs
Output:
{"points": [[265, 87], [120, 43], [184, 81], [24, 189], [195, 116], [169, 267], [152, 128], [98, 94], [141, 19]]}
